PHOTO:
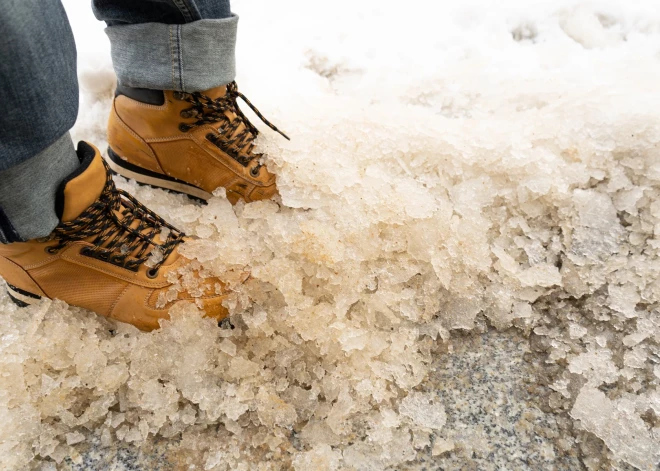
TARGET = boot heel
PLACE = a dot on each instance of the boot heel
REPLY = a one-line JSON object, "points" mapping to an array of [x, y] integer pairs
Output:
{"points": [[21, 297]]}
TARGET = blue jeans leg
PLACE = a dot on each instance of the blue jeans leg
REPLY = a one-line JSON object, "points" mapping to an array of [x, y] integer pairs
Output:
{"points": [[163, 44], [185, 45], [39, 104], [171, 12], [39, 92]]}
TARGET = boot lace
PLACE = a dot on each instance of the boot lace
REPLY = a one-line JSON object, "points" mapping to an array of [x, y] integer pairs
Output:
{"points": [[116, 242], [238, 145]]}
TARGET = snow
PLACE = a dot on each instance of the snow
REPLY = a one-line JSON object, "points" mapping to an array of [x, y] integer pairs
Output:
{"points": [[451, 164]]}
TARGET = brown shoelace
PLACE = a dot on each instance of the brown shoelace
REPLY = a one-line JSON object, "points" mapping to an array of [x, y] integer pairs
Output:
{"points": [[116, 241], [209, 111]]}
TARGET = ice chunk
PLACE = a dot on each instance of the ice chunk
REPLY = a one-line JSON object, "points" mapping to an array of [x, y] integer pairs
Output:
{"points": [[576, 331], [540, 275], [624, 299], [424, 409], [273, 410], [617, 424], [155, 257], [228, 347], [321, 457], [596, 365], [440, 446], [74, 437]]}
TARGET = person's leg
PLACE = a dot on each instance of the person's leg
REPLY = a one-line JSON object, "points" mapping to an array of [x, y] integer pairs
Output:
{"points": [[91, 257], [130, 12], [183, 45], [38, 106], [175, 122]]}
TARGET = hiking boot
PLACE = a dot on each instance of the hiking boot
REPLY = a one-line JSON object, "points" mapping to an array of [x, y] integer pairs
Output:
{"points": [[109, 254], [191, 143]]}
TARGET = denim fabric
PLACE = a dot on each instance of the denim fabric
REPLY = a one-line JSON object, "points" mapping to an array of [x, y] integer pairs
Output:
{"points": [[38, 82], [190, 57], [185, 45], [28, 189], [39, 87], [38, 106], [171, 12]]}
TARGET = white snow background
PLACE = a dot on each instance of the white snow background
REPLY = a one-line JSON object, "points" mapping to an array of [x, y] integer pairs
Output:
{"points": [[453, 165]]}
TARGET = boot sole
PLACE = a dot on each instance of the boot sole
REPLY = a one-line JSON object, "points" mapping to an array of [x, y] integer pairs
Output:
{"points": [[24, 298], [121, 167], [21, 297]]}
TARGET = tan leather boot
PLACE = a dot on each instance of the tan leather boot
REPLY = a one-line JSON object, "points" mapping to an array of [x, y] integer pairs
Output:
{"points": [[110, 254], [188, 142]]}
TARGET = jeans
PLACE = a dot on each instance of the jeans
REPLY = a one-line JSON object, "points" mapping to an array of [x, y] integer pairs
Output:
{"points": [[185, 45]]}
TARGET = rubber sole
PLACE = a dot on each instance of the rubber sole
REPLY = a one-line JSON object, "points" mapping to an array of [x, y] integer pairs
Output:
{"points": [[158, 180], [24, 298], [21, 297]]}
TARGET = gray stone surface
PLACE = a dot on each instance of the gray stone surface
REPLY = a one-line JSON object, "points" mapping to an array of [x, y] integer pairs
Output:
{"points": [[493, 417], [121, 458]]}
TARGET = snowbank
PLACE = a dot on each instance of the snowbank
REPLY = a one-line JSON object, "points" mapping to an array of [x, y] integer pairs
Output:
{"points": [[450, 167]]}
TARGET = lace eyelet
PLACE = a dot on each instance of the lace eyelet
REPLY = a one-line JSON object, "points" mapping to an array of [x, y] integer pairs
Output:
{"points": [[178, 96], [255, 171], [85, 251], [152, 273], [183, 127], [117, 260], [51, 249]]}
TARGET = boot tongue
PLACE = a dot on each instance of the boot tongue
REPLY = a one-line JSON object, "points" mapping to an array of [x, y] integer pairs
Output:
{"points": [[216, 92], [83, 186]]}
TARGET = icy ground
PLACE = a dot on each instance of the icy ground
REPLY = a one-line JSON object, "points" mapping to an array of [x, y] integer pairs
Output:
{"points": [[452, 168]]}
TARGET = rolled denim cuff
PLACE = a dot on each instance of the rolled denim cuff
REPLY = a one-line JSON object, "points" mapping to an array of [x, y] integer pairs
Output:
{"points": [[190, 57]]}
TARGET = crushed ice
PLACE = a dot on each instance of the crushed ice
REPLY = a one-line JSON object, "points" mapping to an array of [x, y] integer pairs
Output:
{"points": [[515, 183]]}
